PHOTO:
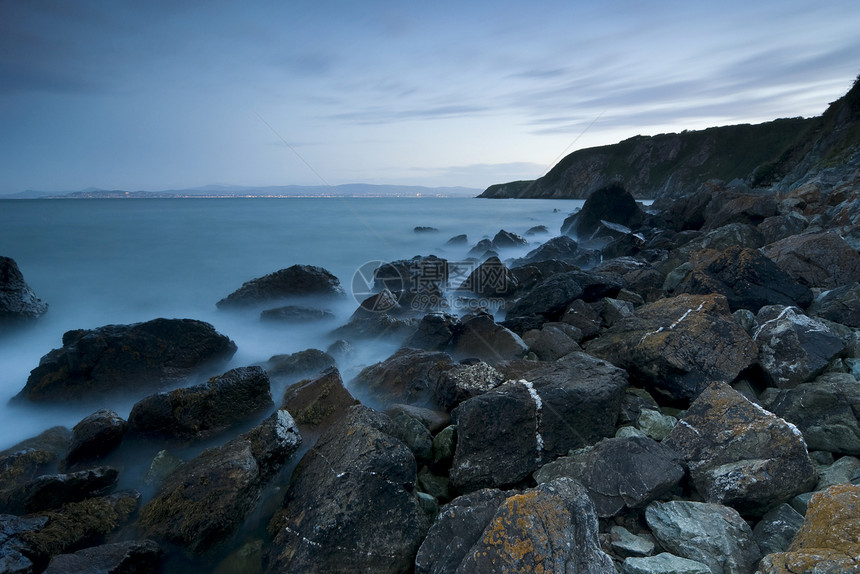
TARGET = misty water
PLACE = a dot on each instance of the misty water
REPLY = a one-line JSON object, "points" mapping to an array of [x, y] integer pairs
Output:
{"points": [[100, 262]]}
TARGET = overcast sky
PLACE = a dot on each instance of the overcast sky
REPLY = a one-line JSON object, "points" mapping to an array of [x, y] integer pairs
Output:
{"points": [[152, 95]]}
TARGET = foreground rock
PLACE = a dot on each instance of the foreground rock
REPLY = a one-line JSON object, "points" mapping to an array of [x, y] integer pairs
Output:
{"points": [[295, 281], [33, 457], [817, 259], [95, 436], [409, 376], [318, 402], [52, 491], [203, 502], [125, 358], [17, 301], [480, 337], [117, 558], [351, 504], [612, 203]]}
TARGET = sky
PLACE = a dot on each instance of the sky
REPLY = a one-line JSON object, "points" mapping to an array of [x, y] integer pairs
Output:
{"points": [[174, 94]]}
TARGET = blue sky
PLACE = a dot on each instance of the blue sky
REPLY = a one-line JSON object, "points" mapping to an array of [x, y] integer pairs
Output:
{"points": [[168, 94]]}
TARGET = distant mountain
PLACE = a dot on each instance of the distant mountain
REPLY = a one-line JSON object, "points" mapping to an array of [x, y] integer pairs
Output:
{"points": [[779, 154], [219, 191]]}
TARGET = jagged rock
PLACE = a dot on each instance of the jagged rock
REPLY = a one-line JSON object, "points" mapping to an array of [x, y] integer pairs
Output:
{"points": [[318, 402], [117, 558], [118, 358], [720, 239], [626, 544], [194, 413], [620, 473], [433, 420], [552, 296], [33, 457], [776, 529], [491, 279], [688, 211], [584, 317], [14, 549], [817, 259], [51, 491], [842, 471], [655, 424], [531, 274], [613, 310], [300, 364], [779, 227], [561, 248], [462, 239], [748, 279], [506, 239], [95, 436], [435, 332], [295, 281], [481, 248], [414, 275], [462, 382], [163, 463], [611, 203], [664, 563], [379, 325], [829, 539], [409, 376], [383, 302], [296, 314], [17, 300], [414, 435], [841, 305], [675, 347], [340, 349], [480, 337], [749, 209], [350, 505], [739, 454], [825, 411], [552, 341], [793, 348], [712, 534]]}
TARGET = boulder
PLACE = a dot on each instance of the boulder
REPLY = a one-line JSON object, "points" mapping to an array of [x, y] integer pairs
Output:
{"points": [[626, 544], [317, 403], [409, 376], [663, 563], [300, 364], [584, 317], [295, 281], [817, 259], [844, 470], [506, 240], [537, 230], [751, 209], [561, 248], [620, 473], [612, 203], [95, 436], [675, 347], [14, 549], [720, 239], [482, 249], [117, 558], [840, 305], [792, 347], [464, 381], [480, 337], [383, 302], [779, 227], [739, 454], [433, 420], [204, 501], [295, 314], [712, 534], [17, 301], [350, 505], [553, 340], [379, 326], [776, 529], [415, 275], [118, 358], [201, 411], [458, 240], [435, 332], [33, 457], [552, 296], [491, 279], [826, 412], [51, 491]]}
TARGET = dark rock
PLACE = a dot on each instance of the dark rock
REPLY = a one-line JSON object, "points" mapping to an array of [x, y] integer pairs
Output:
{"points": [[296, 314], [412, 275], [295, 281], [383, 302], [481, 337], [409, 376], [51, 491], [552, 296], [506, 240], [33, 457], [194, 413], [462, 382], [553, 340], [739, 454], [491, 279], [749, 209], [414, 435], [425, 229], [95, 436], [612, 203], [712, 534], [483, 246], [584, 317], [380, 326], [748, 279], [817, 259], [825, 411], [793, 348], [17, 300], [842, 471], [350, 505], [14, 549], [118, 358], [458, 240], [435, 332], [634, 274], [841, 305], [775, 531], [522, 325], [688, 211], [664, 563], [131, 557], [205, 500], [675, 347], [720, 239], [318, 402], [536, 230], [433, 420], [340, 349], [779, 227], [561, 248], [299, 364], [620, 473]]}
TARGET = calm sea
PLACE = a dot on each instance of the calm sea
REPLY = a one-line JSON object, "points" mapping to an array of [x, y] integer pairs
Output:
{"points": [[117, 261]]}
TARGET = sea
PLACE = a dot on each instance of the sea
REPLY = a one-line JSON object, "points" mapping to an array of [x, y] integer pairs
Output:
{"points": [[119, 261]]}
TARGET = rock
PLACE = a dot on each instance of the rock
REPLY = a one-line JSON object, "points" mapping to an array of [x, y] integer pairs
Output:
{"points": [[439, 487], [383, 302], [817, 259], [350, 505], [300, 364], [414, 435], [17, 301], [561, 248], [462, 382], [537, 230], [626, 544], [612, 203], [712, 534], [52, 491], [482, 338], [841, 305], [779, 227], [776, 529], [435, 332], [117, 558], [620, 473], [584, 317], [33, 457], [379, 326], [317, 403], [296, 314], [95, 436], [118, 358], [433, 420], [739, 454], [748, 279], [664, 563], [720, 239], [506, 240], [295, 281], [552, 341], [826, 412], [552, 296], [843, 471], [751, 209], [613, 310], [340, 349], [482, 248], [458, 240], [416, 275], [829, 539], [201, 411], [248, 559], [425, 229], [675, 347], [14, 547], [793, 348], [655, 424], [163, 463], [444, 446], [409, 376], [205, 500], [491, 279]]}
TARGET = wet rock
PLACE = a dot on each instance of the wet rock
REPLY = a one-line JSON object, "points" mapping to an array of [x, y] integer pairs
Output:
{"points": [[118, 358], [433, 420], [318, 402], [776, 529], [655, 424], [14, 549], [51, 491], [414, 275], [506, 240], [537, 230], [295, 281], [675, 347], [444, 446], [379, 326], [33, 457], [205, 500], [296, 314], [383, 302], [482, 248], [712, 534], [163, 463], [194, 413], [414, 435], [435, 332], [17, 300], [584, 317], [626, 544], [552, 296], [561, 248], [841, 305], [462, 382], [300, 364], [825, 411], [793, 348], [409, 376], [491, 279], [720, 239], [552, 341], [612, 203], [482, 338], [843, 471], [739, 454], [117, 558], [350, 505], [620, 473], [95, 436], [458, 240], [817, 259], [664, 563]]}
